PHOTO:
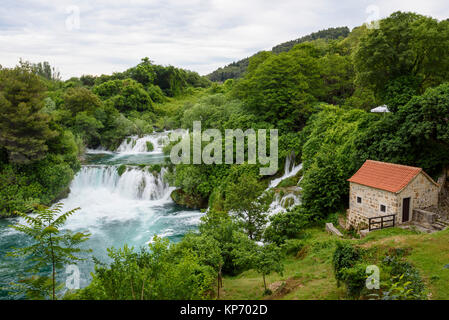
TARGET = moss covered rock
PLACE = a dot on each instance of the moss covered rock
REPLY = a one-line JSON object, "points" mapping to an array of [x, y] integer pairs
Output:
{"points": [[186, 200]]}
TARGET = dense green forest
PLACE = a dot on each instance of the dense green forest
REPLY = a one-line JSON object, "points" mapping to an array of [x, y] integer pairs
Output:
{"points": [[47, 123], [237, 69], [317, 91]]}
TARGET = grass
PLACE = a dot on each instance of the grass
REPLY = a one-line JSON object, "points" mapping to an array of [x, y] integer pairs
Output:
{"points": [[429, 253], [311, 276]]}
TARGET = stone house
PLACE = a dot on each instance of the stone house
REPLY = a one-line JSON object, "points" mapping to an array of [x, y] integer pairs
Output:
{"points": [[380, 189]]}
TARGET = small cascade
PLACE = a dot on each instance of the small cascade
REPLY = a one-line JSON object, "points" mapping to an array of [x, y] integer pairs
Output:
{"points": [[135, 183], [289, 196], [290, 170], [282, 203], [134, 144]]}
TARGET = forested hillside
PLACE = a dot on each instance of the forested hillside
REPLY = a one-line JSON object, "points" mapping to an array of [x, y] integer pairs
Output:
{"points": [[237, 69], [317, 91]]}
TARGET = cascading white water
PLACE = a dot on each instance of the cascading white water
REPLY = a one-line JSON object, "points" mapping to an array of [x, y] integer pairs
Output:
{"points": [[287, 201], [115, 210], [134, 144], [290, 170], [135, 183], [291, 196]]}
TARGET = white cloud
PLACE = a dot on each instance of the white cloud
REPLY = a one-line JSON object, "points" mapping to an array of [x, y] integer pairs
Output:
{"points": [[196, 34]]}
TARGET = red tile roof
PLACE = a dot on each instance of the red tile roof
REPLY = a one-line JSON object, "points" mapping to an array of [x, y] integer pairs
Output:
{"points": [[386, 176]]}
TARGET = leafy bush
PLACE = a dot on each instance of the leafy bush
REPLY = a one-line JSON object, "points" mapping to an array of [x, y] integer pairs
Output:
{"points": [[158, 272], [121, 169], [355, 279], [154, 168], [150, 146], [285, 225], [345, 257], [292, 246], [407, 282]]}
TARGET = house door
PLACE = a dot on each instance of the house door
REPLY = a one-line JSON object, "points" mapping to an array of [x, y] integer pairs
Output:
{"points": [[405, 209]]}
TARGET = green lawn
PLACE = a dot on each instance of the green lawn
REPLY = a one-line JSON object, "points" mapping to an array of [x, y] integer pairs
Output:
{"points": [[311, 277], [429, 253]]}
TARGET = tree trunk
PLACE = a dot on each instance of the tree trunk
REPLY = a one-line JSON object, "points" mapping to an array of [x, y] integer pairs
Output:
{"points": [[264, 283], [132, 290], [220, 277], [218, 286], [53, 268], [143, 288]]}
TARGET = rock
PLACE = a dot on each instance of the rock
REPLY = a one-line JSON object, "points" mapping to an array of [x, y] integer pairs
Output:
{"points": [[276, 285], [363, 233], [183, 199], [331, 229], [342, 222], [424, 216]]}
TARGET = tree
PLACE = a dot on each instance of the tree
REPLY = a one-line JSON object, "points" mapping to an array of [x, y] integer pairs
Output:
{"points": [[228, 235], [52, 247], [170, 79], [264, 259], [406, 55], [159, 272], [44, 70], [330, 158], [125, 95], [250, 208], [209, 253], [282, 89], [24, 129], [417, 134], [268, 260], [80, 99], [144, 72], [87, 80]]}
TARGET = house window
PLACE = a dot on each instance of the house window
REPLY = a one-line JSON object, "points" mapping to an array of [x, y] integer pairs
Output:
{"points": [[383, 208], [359, 200]]}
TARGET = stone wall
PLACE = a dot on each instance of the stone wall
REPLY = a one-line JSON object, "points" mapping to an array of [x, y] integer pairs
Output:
{"points": [[424, 216], [356, 219], [370, 207], [423, 194]]}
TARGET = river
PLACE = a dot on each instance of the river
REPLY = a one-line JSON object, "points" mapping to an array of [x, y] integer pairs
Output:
{"points": [[115, 209]]}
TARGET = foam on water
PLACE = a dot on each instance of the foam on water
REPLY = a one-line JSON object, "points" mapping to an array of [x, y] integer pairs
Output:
{"points": [[280, 204], [290, 170], [291, 196], [134, 144], [115, 209]]}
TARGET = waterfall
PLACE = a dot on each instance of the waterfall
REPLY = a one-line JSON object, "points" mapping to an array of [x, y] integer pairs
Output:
{"points": [[135, 183], [115, 209], [291, 195], [104, 195], [290, 170], [134, 144], [281, 203]]}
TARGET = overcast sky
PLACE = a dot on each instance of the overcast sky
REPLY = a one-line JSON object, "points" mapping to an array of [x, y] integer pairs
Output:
{"points": [[103, 36]]}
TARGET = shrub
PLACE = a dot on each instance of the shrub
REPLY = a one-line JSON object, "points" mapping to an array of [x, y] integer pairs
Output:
{"points": [[345, 257], [285, 225], [289, 182], [154, 168], [121, 169], [292, 246], [405, 276], [354, 279], [150, 146]]}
